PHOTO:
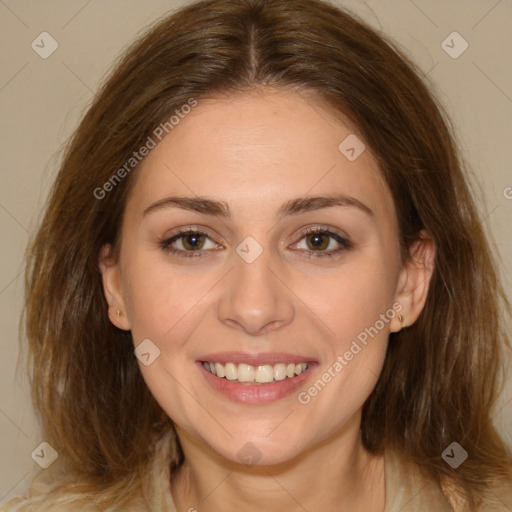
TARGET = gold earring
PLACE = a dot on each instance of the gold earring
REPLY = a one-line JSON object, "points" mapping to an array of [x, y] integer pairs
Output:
{"points": [[401, 320], [118, 313]]}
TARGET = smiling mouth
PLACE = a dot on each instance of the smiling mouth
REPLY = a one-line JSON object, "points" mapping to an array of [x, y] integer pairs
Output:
{"points": [[261, 374]]}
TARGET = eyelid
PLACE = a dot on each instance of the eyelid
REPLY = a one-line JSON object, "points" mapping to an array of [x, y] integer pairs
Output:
{"points": [[323, 228], [194, 228], [334, 233], [166, 241], [340, 238]]}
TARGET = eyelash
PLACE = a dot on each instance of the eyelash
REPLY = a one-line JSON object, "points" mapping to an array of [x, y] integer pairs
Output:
{"points": [[345, 244]]}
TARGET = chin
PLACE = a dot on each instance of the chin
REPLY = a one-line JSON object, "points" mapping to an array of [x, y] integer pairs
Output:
{"points": [[255, 450]]}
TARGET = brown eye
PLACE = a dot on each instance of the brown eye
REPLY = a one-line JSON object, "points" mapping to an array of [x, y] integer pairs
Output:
{"points": [[193, 241], [188, 243], [317, 241]]}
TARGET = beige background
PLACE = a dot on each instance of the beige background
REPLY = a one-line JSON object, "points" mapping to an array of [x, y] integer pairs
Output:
{"points": [[42, 100]]}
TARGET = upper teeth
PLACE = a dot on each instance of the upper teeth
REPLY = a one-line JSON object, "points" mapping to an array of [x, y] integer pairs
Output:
{"points": [[262, 373]]}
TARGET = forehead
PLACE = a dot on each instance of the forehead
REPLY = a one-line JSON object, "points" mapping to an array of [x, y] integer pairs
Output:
{"points": [[261, 147]]}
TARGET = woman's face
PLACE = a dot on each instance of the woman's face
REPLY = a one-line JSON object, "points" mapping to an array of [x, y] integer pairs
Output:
{"points": [[249, 288]]}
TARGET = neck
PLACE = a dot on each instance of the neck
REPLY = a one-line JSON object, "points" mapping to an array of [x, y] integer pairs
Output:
{"points": [[336, 474]]}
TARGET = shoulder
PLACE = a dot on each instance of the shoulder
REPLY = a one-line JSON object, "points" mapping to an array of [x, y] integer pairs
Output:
{"points": [[63, 495], [410, 490], [499, 498], [42, 497], [54, 491], [68, 502]]}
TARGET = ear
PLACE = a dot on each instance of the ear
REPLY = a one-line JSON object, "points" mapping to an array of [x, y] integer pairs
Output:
{"points": [[112, 288], [414, 281]]}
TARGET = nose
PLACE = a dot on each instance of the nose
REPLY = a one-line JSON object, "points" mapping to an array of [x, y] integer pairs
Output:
{"points": [[256, 298]]}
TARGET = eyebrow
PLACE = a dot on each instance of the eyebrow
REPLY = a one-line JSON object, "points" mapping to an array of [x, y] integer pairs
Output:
{"points": [[295, 206]]}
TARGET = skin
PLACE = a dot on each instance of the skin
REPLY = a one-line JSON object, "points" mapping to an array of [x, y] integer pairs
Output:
{"points": [[256, 151]]}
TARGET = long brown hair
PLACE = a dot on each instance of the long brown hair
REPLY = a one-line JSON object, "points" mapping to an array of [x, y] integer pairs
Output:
{"points": [[441, 375]]}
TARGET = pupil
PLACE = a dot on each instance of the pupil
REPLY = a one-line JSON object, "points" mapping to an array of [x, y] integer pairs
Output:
{"points": [[317, 240], [195, 240]]}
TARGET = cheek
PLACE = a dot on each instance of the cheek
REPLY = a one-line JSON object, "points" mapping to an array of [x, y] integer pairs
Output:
{"points": [[165, 307], [351, 300], [356, 305], [358, 309], [158, 300]]}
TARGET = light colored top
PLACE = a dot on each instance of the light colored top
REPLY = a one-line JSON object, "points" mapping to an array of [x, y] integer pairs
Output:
{"points": [[406, 491]]}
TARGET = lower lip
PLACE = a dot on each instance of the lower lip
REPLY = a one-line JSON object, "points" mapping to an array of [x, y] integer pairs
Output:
{"points": [[255, 393]]}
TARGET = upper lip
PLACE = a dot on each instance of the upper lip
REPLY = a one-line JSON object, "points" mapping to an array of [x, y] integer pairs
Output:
{"points": [[262, 358]]}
